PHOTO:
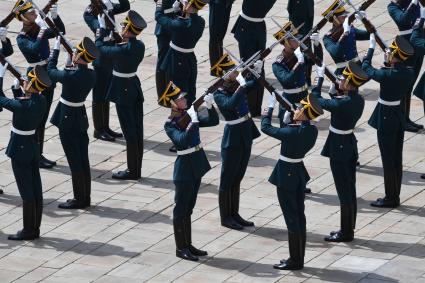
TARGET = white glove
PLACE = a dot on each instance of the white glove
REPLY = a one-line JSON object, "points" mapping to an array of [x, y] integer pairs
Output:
{"points": [[346, 26], [57, 45], [16, 84], [193, 115], [176, 6], [101, 20], [415, 2], [41, 23], [54, 11], [258, 66], [68, 61], [272, 101], [3, 33], [360, 15], [209, 100], [320, 71], [3, 69], [332, 89], [372, 41], [422, 12], [287, 118], [108, 5], [241, 80], [315, 38], [299, 54]]}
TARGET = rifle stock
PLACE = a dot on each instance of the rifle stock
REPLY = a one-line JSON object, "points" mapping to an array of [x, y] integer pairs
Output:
{"points": [[7, 20], [99, 8], [371, 29], [12, 70]]}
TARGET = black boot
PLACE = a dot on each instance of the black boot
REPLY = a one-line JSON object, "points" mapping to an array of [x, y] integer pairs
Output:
{"points": [[410, 127], [346, 234], [188, 230], [415, 125], [235, 197], [224, 203], [1, 191], [46, 163], [38, 216], [87, 192], [29, 218], [296, 253], [79, 187], [391, 183], [161, 82], [307, 191], [182, 245], [423, 176], [172, 148], [99, 127], [105, 118], [133, 162]]}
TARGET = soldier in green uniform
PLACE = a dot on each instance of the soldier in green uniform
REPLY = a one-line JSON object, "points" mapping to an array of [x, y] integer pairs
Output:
{"points": [[250, 32], [103, 67], [239, 133], [6, 46], [180, 62], [28, 112], [290, 176], [341, 145], [125, 90], [218, 22], [388, 118], [33, 41], [404, 13], [190, 166], [71, 118]]}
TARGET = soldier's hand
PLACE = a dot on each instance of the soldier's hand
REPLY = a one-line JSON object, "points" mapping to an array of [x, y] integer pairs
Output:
{"points": [[258, 66], [272, 101], [101, 20], [3, 33], [108, 5], [57, 45], [360, 15], [300, 56], [320, 71], [16, 84], [3, 69], [54, 11], [41, 23], [372, 41], [287, 119], [422, 12], [193, 115], [265, 112], [176, 6], [332, 89], [241, 80], [346, 26], [209, 100], [315, 38], [415, 2]]}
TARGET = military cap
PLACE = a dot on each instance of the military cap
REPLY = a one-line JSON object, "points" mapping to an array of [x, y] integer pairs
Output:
{"points": [[171, 93], [338, 12], [134, 22], [401, 48], [354, 74], [288, 27], [311, 106], [198, 4], [39, 79], [87, 50], [20, 8], [224, 64]]}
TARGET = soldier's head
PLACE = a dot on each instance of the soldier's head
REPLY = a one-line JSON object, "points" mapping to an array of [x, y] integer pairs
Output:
{"points": [[132, 25], [38, 80], [291, 45], [193, 6], [85, 52], [352, 77], [309, 109], [290, 42], [230, 84], [25, 12], [173, 97], [399, 51], [336, 13]]}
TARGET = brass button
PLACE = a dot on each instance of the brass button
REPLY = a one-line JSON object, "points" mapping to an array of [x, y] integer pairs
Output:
{"points": [[22, 146], [289, 174], [125, 89], [66, 116], [341, 146]]}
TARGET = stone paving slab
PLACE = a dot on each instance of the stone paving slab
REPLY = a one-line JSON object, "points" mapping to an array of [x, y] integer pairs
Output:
{"points": [[127, 235]]}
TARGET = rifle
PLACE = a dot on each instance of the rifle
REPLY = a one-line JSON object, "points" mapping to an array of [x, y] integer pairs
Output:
{"points": [[99, 8], [65, 43], [12, 69], [338, 31]]}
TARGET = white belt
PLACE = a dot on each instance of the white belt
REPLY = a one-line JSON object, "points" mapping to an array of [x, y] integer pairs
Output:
{"points": [[389, 103], [238, 121], [71, 104], [340, 132], [190, 150], [290, 160], [182, 50], [344, 64], [41, 63], [248, 18], [404, 32], [123, 75], [295, 90], [22, 133]]}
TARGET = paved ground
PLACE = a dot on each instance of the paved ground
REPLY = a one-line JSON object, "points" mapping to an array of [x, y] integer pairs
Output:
{"points": [[127, 236]]}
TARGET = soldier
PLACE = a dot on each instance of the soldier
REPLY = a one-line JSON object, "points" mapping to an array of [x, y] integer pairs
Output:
{"points": [[71, 118], [236, 144], [387, 118], [250, 32], [125, 90], [218, 23], [180, 62], [103, 67], [404, 13], [34, 45], [290, 176], [341, 144], [6, 46], [190, 166], [28, 111]]}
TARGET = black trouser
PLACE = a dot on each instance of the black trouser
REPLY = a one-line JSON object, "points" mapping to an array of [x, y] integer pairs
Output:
{"points": [[218, 23], [27, 175], [291, 200], [185, 198], [161, 77]]}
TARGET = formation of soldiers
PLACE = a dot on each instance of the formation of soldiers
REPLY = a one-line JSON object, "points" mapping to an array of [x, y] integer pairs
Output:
{"points": [[237, 93]]}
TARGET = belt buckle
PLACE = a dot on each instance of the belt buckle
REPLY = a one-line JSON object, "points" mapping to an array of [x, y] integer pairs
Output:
{"points": [[198, 147]]}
